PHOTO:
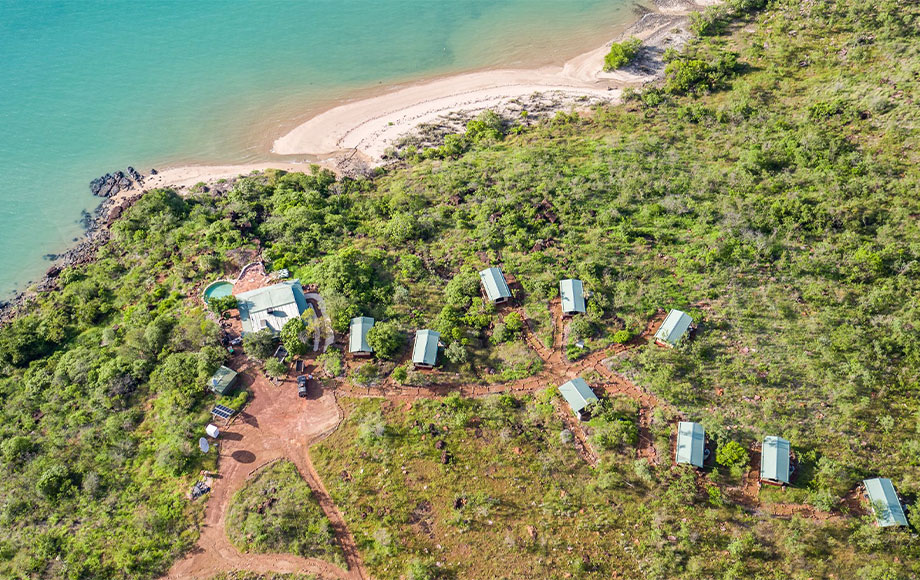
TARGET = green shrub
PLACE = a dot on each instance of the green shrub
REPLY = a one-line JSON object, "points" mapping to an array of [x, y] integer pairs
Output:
{"points": [[366, 374], [386, 339], [514, 324], [331, 361], [296, 334], [275, 368], [222, 304], [260, 345], [456, 352], [400, 375], [621, 336], [621, 54], [17, 447], [731, 454]]}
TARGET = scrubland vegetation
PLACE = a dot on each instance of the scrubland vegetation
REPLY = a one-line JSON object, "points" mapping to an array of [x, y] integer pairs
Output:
{"points": [[768, 188], [277, 513]]}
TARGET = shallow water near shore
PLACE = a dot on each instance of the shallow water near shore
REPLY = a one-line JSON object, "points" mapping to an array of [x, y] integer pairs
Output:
{"points": [[88, 87]]}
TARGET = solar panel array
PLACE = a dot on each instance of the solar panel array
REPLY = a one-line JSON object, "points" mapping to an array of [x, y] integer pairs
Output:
{"points": [[222, 411]]}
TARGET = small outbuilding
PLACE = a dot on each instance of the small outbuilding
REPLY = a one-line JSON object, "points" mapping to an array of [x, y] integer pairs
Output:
{"points": [[357, 336], [572, 293], [691, 444], [885, 503], [271, 307], [425, 349], [222, 381], [674, 327], [774, 461], [494, 285], [578, 395]]}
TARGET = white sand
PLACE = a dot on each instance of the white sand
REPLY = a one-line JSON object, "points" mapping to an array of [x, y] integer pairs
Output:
{"points": [[373, 124], [370, 125], [193, 174]]}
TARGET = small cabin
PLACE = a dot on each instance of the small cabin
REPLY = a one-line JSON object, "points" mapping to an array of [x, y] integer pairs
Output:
{"points": [[425, 349], [885, 503], [691, 444], [572, 293], [774, 461], [223, 380], [357, 336], [578, 395], [494, 285], [674, 327]]}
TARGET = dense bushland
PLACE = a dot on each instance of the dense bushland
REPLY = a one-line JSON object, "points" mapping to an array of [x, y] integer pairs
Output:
{"points": [[768, 188]]}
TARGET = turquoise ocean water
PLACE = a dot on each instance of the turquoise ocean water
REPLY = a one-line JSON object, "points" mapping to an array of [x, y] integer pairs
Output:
{"points": [[91, 86]]}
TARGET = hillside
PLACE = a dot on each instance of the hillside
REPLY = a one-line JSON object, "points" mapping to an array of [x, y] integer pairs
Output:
{"points": [[767, 188]]}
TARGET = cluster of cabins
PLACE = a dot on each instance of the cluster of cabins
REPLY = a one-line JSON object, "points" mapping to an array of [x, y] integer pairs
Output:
{"points": [[427, 342], [776, 457], [777, 468], [273, 306]]}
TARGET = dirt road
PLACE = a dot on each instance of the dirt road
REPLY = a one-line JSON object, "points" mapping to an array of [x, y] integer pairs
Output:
{"points": [[275, 424]]}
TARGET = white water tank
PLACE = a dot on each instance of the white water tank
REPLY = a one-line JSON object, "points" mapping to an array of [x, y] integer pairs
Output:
{"points": [[212, 431]]}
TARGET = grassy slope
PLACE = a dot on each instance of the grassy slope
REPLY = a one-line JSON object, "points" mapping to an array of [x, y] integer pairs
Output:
{"points": [[781, 212]]}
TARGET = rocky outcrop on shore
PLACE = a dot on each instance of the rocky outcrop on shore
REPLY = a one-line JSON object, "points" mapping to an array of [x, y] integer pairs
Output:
{"points": [[113, 183], [97, 225]]}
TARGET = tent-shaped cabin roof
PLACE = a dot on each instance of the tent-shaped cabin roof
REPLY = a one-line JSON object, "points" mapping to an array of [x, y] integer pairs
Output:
{"points": [[691, 440], [885, 502], [573, 296], [271, 307], [222, 380], [673, 327], [357, 337], [774, 459], [425, 350], [577, 394], [493, 280]]}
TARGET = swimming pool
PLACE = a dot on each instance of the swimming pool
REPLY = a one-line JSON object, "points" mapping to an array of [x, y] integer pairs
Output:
{"points": [[217, 289]]}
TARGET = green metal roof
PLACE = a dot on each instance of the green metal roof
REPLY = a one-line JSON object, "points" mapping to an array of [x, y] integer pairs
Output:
{"points": [[774, 459], [425, 350], [691, 440], [885, 502], [493, 280], [222, 380], [357, 338], [573, 295], [673, 327], [271, 306], [577, 394]]}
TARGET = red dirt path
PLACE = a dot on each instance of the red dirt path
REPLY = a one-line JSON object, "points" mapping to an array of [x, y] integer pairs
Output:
{"points": [[275, 424]]}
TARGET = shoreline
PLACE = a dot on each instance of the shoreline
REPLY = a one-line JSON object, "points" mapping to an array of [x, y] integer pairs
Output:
{"points": [[354, 136], [370, 125], [366, 127]]}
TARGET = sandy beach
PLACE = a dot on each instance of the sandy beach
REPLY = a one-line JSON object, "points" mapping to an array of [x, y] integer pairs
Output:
{"points": [[369, 126]]}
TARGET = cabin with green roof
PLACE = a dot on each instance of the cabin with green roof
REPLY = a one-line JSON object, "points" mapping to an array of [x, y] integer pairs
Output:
{"points": [[425, 349], [223, 380], [572, 293], [494, 285], [673, 328], [691, 444], [774, 461], [271, 307], [578, 395], [885, 503], [357, 336]]}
